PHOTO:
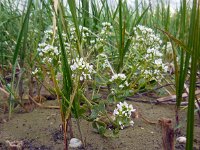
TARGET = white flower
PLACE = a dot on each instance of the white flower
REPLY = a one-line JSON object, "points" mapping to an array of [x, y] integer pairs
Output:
{"points": [[103, 55], [112, 91], [119, 76], [72, 29], [122, 76], [158, 61], [42, 44], [165, 68], [122, 127], [74, 67], [50, 60], [40, 54], [120, 123], [64, 34], [89, 76], [115, 112], [126, 83], [81, 78], [131, 123], [150, 50], [157, 53], [125, 104], [35, 71], [56, 52], [121, 86], [92, 42], [119, 106]]}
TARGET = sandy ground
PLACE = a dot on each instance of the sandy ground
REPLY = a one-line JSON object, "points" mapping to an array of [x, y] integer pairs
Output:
{"points": [[40, 129]]}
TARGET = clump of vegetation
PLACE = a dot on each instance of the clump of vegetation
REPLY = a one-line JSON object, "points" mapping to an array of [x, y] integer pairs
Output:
{"points": [[90, 46]]}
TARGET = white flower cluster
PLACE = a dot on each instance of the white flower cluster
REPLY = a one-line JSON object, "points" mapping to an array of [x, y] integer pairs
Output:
{"points": [[47, 52], [85, 33], [48, 33], [106, 31], [104, 59], [153, 52], [105, 64], [147, 44], [82, 69], [146, 40], [73, 34], [120, 79], [151, 74], [67, 46], [119, 76], [122, 114], [107, 27], [147, 36], [47, 49]]}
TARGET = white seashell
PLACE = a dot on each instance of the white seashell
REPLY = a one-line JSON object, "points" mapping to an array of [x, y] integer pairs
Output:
{"points": [[75, 143], [181, 139], [15, 145]]}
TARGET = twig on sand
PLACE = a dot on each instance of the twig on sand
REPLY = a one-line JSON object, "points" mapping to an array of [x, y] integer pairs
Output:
{"points": [[171, 100], [42, 106]]}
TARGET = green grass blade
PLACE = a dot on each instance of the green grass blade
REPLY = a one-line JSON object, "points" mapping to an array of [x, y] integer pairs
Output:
{"points": [[67, 82], [195, 52], [85, 13], [24, 29], [135, 23], [19, 39], [72, 6], [120, 48], [181, 79]]}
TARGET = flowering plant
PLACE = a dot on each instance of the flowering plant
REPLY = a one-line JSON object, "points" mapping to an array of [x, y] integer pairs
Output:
{"points": [[103, 38], [119, 87], [144, 58], [122, 114], [48, 52], [81, 69]]}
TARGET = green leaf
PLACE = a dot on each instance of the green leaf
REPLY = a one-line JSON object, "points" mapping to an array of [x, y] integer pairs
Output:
{"points": [[195, 54], [97, 109], [102, 130]]}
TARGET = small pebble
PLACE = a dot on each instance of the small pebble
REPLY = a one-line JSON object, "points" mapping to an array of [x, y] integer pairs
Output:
{"points": [[181, 140], [75, 143]]}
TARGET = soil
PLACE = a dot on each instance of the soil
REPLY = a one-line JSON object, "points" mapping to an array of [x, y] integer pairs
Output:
{"points": [[40, 129]]}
